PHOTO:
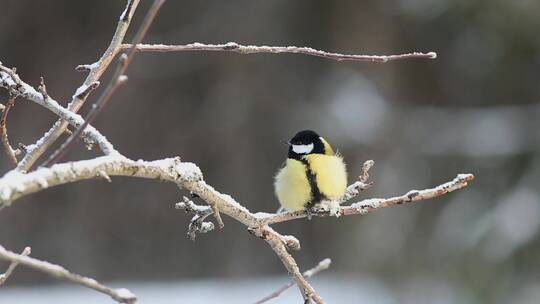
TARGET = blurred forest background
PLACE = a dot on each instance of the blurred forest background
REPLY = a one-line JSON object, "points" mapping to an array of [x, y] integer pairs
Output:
{"points": [[475, 109]]}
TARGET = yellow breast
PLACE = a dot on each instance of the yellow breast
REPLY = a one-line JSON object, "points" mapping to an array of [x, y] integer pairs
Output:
{"points": [[330, 174], [292, 186]]}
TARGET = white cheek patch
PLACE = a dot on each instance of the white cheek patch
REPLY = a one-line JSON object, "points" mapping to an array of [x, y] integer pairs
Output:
{"points": [[302, 149]]}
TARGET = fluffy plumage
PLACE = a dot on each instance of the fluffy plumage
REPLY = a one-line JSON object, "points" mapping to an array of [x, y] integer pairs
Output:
{"points": [[312, 172]]}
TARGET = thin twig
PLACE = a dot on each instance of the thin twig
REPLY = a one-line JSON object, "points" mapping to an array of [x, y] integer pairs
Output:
{"points": [[95, 71], [364, 176], [197, 223], [12, 266], [217, 216], [117, 79], [11, 81], [370, 205], [276, 241], [323, 265], [3, 131], [120, 295], [42, 88], [252, 49], [360, 185]]}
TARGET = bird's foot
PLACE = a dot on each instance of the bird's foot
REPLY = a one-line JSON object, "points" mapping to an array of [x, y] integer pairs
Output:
{"points": [[309, 212]]}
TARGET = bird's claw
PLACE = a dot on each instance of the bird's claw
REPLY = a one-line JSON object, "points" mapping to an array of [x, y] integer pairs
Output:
{"points": [[309, 212]]}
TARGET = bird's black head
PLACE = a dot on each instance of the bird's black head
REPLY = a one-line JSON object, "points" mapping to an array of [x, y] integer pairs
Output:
{"points": [[304, 143]]}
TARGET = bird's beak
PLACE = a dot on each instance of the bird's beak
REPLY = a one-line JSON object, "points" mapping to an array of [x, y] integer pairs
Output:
{"points": [[288, 143]]}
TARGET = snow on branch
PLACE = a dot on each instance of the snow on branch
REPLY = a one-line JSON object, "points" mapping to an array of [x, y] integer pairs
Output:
{"points": [[120, 295], [16, 184], [186, 175], [197, 223], [12, 82], [95, 71], [118, 78], [373, 204], [253, 49]]}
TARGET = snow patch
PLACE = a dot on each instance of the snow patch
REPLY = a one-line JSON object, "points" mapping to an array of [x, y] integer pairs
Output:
{"points": [[189, 172], [79, 91], [124, 293], [122, 78], [128, 5], [263, 215], [207, 227]]}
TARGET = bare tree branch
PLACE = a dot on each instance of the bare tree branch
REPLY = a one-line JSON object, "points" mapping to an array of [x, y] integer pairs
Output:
{"points": [[3, 131], [11, 81], [253, 49], [370, 205], [187, 175], [13, 265], [323, 265], [280, 245], [95, 71], [120, 295], [117, 79], [15, 184]]}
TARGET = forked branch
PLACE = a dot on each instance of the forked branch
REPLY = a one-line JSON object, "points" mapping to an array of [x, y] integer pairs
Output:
{"points": [[120, 295], [11, 81], [12, 266], [118, 78], [323, 265], [95, 71], [280, 247]]}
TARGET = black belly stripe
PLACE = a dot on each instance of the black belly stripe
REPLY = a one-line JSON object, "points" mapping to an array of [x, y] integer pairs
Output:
{"points": [[316, 195]]}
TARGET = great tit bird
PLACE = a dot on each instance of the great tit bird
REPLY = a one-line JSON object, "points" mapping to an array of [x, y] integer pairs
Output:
{"points": [[312, 173]]}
